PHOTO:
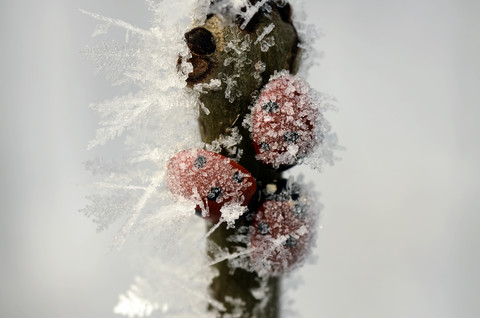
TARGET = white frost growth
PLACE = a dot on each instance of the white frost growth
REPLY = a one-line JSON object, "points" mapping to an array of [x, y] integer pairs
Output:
{"points": [[175, 279], [214, 84], [323, 153], [242, 9], [229, 143], [308, 35], [133, 303], [250, 11], [231, 213], [115, 58], [260, 67], [155, 119], [237, 47], [106, 23], [265, 31], [265, 42]]}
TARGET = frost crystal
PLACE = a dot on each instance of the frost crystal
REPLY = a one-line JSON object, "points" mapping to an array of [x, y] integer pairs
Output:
{"points": [[231, 213], [237, 48], [243, 9], [155, 120], [250, 11], [112, 58], [133, 303], [266, 42], [229, 143], [265, 31]]}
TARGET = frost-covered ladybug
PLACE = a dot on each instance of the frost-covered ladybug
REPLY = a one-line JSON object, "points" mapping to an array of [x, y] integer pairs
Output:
{"points": [[282, 231], [210, 180], [284, 119]]}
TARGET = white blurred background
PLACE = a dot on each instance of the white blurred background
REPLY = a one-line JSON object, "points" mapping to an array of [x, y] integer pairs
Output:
{"points": [[402, 210]]}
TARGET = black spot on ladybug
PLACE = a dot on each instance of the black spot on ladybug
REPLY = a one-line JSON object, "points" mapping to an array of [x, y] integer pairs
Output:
{"points": [[270, 106], [290, 136], [299, 210], [264, 146], [200, 41], [200, 161], [290, 242], [214, 193], [237, 177], [263, 228], [198, 212]]}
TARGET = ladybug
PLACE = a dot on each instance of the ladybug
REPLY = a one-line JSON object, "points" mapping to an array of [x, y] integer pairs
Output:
{"points": [[281, 235], [210, 180], [284, 117]]}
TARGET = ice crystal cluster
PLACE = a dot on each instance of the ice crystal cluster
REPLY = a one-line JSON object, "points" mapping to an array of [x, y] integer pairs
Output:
{"points": [[156, 120]]}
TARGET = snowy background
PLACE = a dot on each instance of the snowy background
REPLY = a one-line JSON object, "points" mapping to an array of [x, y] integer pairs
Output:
{"points": [[400, 224]]}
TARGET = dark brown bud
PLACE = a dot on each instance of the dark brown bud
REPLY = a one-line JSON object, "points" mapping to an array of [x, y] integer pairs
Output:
{"points": [[200, 41]]}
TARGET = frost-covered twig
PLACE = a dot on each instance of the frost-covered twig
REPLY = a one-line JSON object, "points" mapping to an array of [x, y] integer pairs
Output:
{"points": [[229, 64]]}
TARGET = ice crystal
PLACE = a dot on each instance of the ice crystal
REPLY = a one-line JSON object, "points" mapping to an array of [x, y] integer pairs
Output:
{"points": [[242, 9], [236, 48], [229, 143], [155, 120], [172, 286], [250, 11], [264, 41], [231, 213], [134, 303], [112, 58]]}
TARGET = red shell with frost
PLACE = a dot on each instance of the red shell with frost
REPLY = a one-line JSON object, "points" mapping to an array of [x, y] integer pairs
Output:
{"points": [[210, 180], [281, 236], [284, 118]]}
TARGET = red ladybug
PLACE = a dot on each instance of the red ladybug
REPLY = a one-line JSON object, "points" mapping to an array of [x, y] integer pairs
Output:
{"points": [[283, 121], [210, 180], [282, 232]]}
